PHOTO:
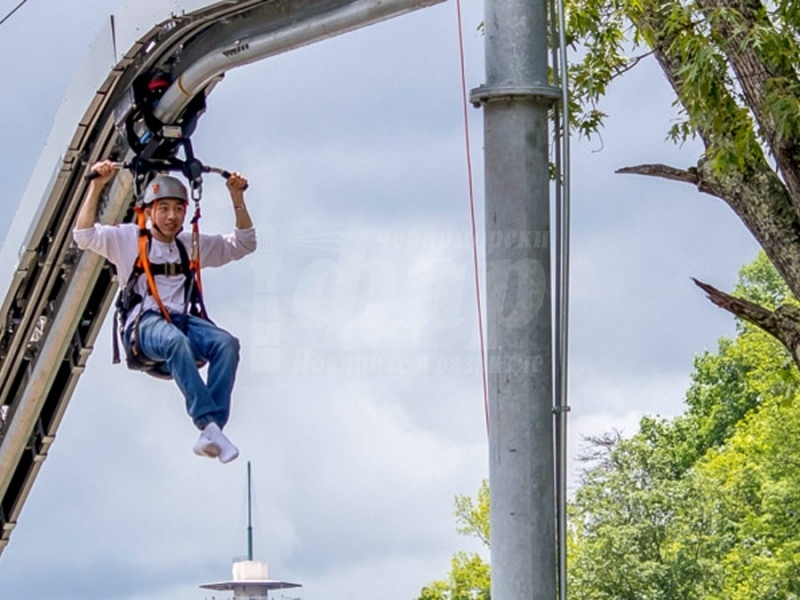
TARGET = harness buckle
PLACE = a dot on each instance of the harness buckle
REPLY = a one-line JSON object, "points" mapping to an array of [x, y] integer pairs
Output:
{"points": [[197, 191]]}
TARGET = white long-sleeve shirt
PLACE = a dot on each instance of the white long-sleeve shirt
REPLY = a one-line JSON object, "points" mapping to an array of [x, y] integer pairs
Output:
{"points": [[120, 245]]}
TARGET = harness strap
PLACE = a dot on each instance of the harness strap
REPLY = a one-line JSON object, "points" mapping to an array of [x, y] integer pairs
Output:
{"points": [[169, 269], [144, 262], [195, 260], [196, 284], [115, 339], [191, 294], [193, 298]]}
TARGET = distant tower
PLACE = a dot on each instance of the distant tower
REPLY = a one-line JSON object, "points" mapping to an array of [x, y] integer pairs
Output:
{"points": [[250, 580]]}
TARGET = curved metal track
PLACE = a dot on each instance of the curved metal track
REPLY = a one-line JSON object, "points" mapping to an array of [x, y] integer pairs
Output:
{"points": [[58, 296]]}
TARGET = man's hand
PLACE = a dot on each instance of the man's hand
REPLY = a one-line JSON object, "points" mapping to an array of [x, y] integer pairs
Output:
{"points": [[105, 170], [236, 185]]}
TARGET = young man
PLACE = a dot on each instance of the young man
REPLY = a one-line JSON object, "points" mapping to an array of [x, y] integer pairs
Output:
{"points": [[183, 339]]}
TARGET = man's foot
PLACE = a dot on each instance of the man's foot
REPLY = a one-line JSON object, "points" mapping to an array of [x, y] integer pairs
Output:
{"points": [[207, 445], [212, 443], [227, 451]]}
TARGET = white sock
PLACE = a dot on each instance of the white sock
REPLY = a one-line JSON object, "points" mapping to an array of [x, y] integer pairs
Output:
{"points": [[207, 444], [212, 443], [227, 451]]}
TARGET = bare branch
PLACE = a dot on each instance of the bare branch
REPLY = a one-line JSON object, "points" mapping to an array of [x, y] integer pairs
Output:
{"points": [[598, 448], [630, 65], [783, 323], [663, 171], [749, 311]]}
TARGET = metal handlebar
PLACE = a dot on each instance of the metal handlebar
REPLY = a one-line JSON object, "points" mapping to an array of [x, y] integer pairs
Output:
{"points": [[166, 167], [94, 174]]}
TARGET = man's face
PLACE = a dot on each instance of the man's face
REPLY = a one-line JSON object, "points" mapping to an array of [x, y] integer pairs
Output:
{"points": [[168, 214]]}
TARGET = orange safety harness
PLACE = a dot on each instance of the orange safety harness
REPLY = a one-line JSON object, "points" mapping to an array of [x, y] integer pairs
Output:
{"points": [[128, 299]]}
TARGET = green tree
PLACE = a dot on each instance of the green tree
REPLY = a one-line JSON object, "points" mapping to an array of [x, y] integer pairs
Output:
{"points": [[705, 505], [468, 580], [469, 577], [752, 504], [732, 65], [472, 516]]}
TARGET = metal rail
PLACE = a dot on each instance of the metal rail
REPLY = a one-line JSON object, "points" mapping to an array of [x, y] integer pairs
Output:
{"points": [[58, 296]]}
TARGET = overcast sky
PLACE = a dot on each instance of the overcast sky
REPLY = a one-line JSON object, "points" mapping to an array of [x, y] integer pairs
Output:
{"points": [[354, 148]]}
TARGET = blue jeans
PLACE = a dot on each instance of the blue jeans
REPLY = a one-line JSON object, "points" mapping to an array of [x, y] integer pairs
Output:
{"points": [[159, 339]]}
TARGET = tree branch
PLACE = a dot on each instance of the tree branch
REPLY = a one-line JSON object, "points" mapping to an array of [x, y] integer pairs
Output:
{"points": [[783, 323], [663, 171], [629, 65]]}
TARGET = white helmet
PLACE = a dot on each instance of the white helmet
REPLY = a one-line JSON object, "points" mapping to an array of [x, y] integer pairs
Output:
{"points": [[165, 186]]}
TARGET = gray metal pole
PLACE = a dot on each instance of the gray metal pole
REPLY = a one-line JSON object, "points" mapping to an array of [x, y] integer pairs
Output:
{"points": [[516, 97], [249, 516]]}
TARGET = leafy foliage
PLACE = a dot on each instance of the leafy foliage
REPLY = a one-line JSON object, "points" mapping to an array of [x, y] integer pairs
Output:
{"points": [[472, 516], [702, 506], [469, 577], [705, 505], [694, 41], [468, 580]]}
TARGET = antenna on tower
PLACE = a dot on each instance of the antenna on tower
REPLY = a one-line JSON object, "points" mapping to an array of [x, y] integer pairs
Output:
{"points": [[249, 515], [250, 580]]}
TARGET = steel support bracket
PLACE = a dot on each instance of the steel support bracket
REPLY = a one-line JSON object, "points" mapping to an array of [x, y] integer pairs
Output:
{"points": [[546, 94]]}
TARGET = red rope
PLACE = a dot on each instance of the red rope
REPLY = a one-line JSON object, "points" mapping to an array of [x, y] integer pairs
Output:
{"points": [[472, 211]]}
